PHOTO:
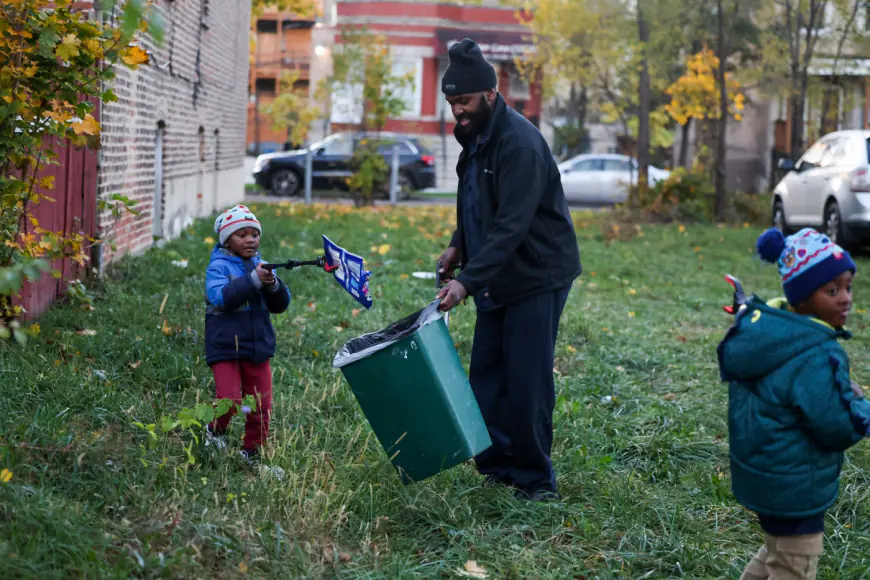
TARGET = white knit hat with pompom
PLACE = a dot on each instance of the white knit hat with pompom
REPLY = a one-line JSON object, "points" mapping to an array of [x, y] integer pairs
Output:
{"points": [[235, 219]]}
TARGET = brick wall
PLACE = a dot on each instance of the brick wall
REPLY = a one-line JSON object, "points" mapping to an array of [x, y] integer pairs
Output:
{"points": [[195, 93]]}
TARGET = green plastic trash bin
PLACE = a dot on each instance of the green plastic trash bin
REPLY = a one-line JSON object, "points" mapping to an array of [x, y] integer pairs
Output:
{"points": [[411, 386]]}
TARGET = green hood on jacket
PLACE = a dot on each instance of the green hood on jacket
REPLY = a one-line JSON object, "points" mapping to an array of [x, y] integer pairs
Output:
{"points": [[791, 409]]}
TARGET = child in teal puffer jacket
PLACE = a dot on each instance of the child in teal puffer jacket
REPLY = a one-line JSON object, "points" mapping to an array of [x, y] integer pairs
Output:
{"points": [[793, 408]]}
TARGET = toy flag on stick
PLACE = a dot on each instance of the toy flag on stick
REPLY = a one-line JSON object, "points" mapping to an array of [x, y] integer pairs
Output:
{"points": [[349, 271]]}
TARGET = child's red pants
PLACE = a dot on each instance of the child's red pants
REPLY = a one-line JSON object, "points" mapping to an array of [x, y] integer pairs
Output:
{"points": [[235, 379]]}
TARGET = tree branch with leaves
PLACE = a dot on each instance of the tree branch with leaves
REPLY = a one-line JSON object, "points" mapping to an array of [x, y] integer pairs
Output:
{"points": [[363, 74], [53, 62]]}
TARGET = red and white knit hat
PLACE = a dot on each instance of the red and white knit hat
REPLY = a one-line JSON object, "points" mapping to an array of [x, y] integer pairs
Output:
{"points": [[235, 219]]}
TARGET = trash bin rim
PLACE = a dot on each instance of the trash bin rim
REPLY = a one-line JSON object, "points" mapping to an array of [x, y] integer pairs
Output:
{"points": [[431, 313]]}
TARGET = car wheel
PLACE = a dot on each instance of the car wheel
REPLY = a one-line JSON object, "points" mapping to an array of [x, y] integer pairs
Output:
{"points": [[406, 185], [832, 224], [286, 183], [778, 217]]}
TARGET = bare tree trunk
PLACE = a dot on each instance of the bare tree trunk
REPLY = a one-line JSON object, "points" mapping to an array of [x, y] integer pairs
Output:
{"points": [[828, 124], [722, 121], [801, 63], [643, 130], [683, 159], [798, 101]]}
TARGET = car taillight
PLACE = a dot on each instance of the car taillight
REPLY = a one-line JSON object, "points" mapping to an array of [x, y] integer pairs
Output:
{"points": [[428, 159], [860, 180]]}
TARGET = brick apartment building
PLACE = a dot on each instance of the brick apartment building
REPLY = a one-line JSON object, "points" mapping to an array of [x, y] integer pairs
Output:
{"points": [[282, 44], [420, 34], [174, 142]]}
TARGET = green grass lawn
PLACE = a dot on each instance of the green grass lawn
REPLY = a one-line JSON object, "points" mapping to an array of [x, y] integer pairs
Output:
{"points": [[641, 440]]}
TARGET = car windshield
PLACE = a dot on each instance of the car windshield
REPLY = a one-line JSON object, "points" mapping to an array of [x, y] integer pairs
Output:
{"points": [[420, 147], [323, 142]]}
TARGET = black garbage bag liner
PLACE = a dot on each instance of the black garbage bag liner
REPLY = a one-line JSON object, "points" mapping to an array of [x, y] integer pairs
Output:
{"points": [[367, 344]]}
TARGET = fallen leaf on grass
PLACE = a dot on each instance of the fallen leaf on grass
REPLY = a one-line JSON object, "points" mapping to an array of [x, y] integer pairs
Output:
{"points": [[135, 365], [167, 330], [331, 554], [5, 476], [86, 332], [355, 312], [670, 397], [472, 569]]}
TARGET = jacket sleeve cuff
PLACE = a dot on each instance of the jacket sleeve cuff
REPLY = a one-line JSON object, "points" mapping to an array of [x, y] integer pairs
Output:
{"points": [[255, 280], [471, 289], [859, 413], [274, 287]]}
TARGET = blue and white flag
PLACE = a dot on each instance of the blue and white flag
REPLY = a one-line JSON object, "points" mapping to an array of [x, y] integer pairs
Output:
{"points": [[350, 273]]}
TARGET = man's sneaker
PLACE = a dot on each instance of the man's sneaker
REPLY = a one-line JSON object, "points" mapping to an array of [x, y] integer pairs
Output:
{"points": [[215, 442], [537, 495], [252, 458]]}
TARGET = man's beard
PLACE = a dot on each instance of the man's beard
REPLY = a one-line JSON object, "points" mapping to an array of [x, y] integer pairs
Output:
{"points": [[479, 120]]}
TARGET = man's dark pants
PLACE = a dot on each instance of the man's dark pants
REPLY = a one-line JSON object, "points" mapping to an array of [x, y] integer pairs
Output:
{"points": [[511, 374]]}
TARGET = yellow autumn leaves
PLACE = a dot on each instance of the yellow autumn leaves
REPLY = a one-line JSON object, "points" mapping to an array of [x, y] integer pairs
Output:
{"points": [[134, 56], [695, 95]]}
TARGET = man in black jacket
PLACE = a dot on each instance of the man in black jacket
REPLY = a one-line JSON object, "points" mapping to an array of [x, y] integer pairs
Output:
{"points": [[517, 249]]}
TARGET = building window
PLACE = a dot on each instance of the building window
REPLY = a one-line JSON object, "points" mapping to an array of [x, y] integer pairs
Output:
{"points": [[519, 88], [441, 102], [413, 95], [821, 18], [266, 87], [267, 26]]}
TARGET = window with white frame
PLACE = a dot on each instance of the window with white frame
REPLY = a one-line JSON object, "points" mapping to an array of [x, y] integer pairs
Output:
{"points": [[346, 105], [519, 87], [413, 95], [440, 101]]}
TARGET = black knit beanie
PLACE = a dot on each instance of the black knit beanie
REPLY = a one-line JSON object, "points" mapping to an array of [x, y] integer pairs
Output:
{"points": [[468, 72]]}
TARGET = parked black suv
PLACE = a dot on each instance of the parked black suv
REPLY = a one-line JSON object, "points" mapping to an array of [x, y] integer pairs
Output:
{"points": [[282, 173]]}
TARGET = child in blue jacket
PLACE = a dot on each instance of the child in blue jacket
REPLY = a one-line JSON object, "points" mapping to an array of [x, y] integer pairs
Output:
{"points": [[792, 406], [239, 338]]}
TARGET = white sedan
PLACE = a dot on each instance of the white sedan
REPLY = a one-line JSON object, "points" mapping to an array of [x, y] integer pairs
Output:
{"points": [[602, 178]]}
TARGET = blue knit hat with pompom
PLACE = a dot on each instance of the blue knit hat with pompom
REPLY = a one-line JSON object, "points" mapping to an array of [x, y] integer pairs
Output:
{"points": [[806, 261]]}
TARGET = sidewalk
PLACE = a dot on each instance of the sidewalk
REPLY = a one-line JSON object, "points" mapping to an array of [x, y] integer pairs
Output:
{"points": [[415, 202]]}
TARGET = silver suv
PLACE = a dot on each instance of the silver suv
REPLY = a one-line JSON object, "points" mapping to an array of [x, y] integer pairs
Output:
{"points": [[827, 189]]}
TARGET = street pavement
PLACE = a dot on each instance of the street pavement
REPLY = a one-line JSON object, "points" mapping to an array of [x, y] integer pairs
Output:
{"points": [[414, 202]]}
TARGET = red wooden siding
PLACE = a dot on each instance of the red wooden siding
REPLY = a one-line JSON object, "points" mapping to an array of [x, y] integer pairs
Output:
{"points": [[74, 209]]}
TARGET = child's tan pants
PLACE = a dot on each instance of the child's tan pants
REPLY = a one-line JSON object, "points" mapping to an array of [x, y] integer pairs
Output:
{"points": [[785, 558]]}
